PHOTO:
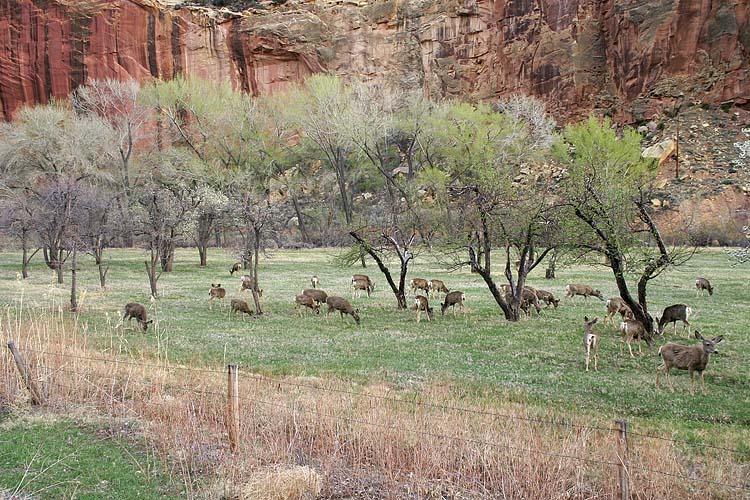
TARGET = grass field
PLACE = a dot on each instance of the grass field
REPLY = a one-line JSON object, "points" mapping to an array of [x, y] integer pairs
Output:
{"points": [[538, 361]]}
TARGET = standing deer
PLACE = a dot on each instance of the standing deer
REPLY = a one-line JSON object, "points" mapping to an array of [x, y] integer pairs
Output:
{"points": [[315, 281], [703, 284], [359, 285], [236, 267], [137, 311], [361, 277], [343, 306], [584, 290], [690, 358], [240, 306], [303, 300], [617, 305], [248, 283], [673, 314], [216, 293], [591, 341], [436, 286], [632, 329], [451, 300], [528, 299], [422, 304], [419, 284]]}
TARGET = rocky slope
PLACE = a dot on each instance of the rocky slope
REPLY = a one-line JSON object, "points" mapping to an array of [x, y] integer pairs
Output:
{"points": [[683, 66], [630, 58]]}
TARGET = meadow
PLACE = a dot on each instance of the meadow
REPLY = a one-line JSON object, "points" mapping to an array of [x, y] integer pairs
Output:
{"points": [[476, 358]]}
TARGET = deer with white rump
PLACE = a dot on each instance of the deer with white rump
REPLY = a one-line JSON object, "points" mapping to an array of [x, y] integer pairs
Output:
{"points": [[632, 329], [591, 341], [616, 305], [422, 304], [673, 314], [690, 358]]}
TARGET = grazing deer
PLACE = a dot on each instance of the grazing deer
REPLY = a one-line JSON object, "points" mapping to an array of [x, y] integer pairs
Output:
{"points": [[361, 277], [632, 329], [240, 306], [547, 298], [572, 290], [673, 314], [617, 305], [303, 300], [343, 306], [419, 284], [703, 284], [690, 358], [248, 283], [451, 300], [137, 311], [315, 281], [236, 267], [316, 294], [359, 285], [216, 293], [436, 286], [591, 341], [528, 299], [421, 303]]}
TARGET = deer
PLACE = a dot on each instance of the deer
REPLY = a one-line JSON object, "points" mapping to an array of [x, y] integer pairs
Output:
{"points": [[703, 284], [451, 300], [547, 298], [303, 300], [343, 306], [216, 293], [363, 277], [240, 306], [314, 281], [436, 286], [419, 284], [359, 285], [690, 358], [422, 304], [591, 341], [528, 299], [236, 267], [617, 305], [673, 314], [137, 311], [316, 294], [632, 329], [248, 283], [572, 290]]}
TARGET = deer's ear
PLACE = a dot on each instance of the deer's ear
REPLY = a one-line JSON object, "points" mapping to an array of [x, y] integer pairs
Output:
{"points": [[698, 335], [586, 319], [594, 320], [149, 321], [718, 339]]}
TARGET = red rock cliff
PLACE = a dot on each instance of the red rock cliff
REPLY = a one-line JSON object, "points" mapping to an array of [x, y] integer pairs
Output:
{"points": [[627, 57]]}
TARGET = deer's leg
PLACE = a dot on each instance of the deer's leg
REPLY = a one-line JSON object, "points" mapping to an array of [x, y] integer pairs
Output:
{"points": [[417, 315], [658, 372], [692, 382], [686, 326], [630, 348], [588, 350]]}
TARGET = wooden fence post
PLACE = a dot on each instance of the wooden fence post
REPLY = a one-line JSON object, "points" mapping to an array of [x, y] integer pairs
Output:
{"points": [[36, 397], [233, 408], [622, 455]]}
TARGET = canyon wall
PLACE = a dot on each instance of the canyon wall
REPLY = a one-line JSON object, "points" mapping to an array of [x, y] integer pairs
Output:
{"points": [[626, 58]]}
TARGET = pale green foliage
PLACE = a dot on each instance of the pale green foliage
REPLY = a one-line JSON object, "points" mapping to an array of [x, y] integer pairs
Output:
{"points": [[52, 141]]}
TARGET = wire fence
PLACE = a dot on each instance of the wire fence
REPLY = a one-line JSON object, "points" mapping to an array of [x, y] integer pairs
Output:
{"points": [[49, 373]]}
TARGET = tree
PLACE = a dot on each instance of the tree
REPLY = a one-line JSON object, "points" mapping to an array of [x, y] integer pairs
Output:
{"points": [[606, 196], [19, 216], [117, 103], [96, 227], [497, 193]]}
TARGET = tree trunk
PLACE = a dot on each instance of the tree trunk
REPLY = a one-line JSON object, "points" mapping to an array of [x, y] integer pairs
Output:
{"points": [[300, 220], [639, 311], [98, 257], [254, 276], [217, 237], [202, 252], [151, 271], [550, 272], [74, 281], [59, 268], [398, 291]]}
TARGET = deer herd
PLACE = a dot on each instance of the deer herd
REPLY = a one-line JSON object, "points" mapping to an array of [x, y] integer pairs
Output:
{"points": [[690, 358]]}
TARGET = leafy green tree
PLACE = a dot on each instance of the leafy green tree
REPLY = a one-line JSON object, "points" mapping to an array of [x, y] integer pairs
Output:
{"points": [[605, 193]]}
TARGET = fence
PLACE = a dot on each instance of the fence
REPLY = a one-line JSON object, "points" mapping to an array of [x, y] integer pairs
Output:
{"points": [[421, 444]]}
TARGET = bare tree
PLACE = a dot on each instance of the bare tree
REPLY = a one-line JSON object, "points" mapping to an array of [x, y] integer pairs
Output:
{"points": [[18, 220]]}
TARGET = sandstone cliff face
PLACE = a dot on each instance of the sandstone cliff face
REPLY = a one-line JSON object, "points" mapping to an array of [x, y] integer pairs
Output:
{"points": [[630, 58]]}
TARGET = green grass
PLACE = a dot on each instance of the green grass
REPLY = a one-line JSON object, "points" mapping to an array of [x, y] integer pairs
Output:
{"points": [[63, 459], [539, 361]]}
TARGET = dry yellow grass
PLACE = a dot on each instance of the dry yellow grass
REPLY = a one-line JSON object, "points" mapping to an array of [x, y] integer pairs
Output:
{"points": [[312, 438]]}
